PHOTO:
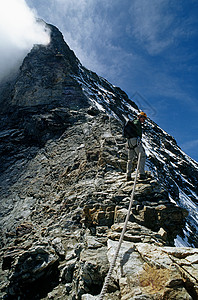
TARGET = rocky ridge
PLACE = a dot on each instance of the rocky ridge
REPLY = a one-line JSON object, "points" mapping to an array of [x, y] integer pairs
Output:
{"points": [[64, 195]]}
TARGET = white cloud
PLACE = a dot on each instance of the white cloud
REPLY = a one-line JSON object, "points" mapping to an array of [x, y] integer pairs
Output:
{"points": [[19, 31], [159, 24], [151, 21], [187, 146]]}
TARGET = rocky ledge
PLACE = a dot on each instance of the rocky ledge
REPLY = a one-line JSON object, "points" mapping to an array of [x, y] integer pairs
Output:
{"points": [[63, 206]]}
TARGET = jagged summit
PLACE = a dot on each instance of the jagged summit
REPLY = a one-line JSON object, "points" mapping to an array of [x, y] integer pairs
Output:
{"points": [[64, 195], [52, 75]]}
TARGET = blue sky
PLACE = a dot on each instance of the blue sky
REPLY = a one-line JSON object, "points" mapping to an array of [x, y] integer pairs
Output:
{"points": [[146, 47]]}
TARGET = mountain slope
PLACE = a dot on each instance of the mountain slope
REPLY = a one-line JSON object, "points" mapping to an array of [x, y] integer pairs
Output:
{"points": [[177, 172], [64, 196]]}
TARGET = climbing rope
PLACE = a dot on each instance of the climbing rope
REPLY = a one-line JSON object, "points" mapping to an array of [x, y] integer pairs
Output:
{"points": [[106, 283]]}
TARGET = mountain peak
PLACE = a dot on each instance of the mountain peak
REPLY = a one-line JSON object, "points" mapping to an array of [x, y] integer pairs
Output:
{"points": [[64, 195]]}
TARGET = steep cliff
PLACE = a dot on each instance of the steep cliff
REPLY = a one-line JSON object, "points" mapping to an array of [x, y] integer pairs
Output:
{"points": [[64, 195]]}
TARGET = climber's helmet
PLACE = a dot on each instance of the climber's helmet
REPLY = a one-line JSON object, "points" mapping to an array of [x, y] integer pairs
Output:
{"points": [[142, 115]]}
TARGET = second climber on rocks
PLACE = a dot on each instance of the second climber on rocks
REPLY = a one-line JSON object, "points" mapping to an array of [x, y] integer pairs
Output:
{"points": [[133, 132]]}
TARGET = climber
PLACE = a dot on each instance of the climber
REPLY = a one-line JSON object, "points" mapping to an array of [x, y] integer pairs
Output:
{"points": [[133, 133]]}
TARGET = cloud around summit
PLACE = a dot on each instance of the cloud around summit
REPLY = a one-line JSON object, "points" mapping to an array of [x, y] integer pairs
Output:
{"points": [[19, 31]]}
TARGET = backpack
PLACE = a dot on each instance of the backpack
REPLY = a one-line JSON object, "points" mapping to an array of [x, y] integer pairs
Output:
{"points": [[129, 130]]}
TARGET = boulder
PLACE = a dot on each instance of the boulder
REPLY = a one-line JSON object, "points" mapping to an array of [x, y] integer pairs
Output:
{"points": [[32, 270], [146, 271]]}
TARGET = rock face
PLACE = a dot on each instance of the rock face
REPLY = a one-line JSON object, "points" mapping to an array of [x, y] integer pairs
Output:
{"points": [[147, 271], [64, 196]]}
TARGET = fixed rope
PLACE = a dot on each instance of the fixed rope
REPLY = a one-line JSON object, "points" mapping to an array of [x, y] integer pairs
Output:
{"points": [[106, 283]]}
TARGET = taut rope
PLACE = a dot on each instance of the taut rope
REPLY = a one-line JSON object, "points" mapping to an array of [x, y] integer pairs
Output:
{"points": [[106, 283]]}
